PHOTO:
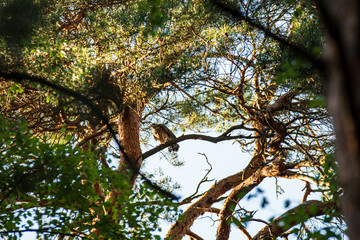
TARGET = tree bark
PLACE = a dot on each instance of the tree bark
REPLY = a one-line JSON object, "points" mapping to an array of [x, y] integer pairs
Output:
{"points": [[129, 138], [181, 227], [342, 19]]}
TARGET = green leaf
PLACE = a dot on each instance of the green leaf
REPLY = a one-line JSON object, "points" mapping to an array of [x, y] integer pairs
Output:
{"points": [[236, 221]]}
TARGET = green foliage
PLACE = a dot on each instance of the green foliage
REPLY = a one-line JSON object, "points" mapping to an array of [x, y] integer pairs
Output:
{"points": [[124, 54], [114, 40], [18, 19], [186, 64], [52, 187], [156, 10], [324, 234], [307, 33], [330, 178]]}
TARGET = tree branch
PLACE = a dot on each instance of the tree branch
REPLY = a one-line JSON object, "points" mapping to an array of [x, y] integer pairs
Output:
{"points": [[203, 180], [180, 228], [193, 236], [294, 216], [239, 192], [21, 77], [295, 48], [250, 176], [223, 137]]}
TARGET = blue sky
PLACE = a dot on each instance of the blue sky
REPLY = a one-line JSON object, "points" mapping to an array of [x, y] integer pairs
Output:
{"points": [[226, 159]]}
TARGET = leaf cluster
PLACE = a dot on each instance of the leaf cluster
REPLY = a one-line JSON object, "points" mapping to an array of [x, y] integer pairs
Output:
{"points": [[49, 189]]}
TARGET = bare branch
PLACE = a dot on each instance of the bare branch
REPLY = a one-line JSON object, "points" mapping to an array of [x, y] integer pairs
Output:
{"points": [[244, 231], [299, 176], [223, 137], [297, 165], [307, 192], [214, 210], [204, 179], [193, 236]]}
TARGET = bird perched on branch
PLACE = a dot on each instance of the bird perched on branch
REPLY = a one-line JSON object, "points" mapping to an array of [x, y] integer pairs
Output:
{"points": [[163, 134]]}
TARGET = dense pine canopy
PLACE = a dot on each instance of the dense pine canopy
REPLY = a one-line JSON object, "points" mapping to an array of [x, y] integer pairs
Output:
{"points": [[82, 82]]}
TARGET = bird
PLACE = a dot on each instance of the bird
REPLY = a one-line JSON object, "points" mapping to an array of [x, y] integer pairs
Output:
{"points": [[163, 134]]}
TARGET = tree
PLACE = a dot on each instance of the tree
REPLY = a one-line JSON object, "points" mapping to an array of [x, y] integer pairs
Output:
{"points": [[272, 108], [342, 20], [89, 73]]}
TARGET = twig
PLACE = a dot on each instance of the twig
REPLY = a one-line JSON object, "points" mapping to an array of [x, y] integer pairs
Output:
{"points": [[204, 179]]}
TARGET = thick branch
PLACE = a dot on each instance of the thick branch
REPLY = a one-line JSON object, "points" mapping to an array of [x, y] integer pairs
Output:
{"points": [[181, 227], [282, 102], [223, 137], [239, 192]]}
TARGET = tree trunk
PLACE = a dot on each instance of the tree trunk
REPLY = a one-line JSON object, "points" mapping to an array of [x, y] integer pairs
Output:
{"points": [[129, 138], [343, 95]]}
